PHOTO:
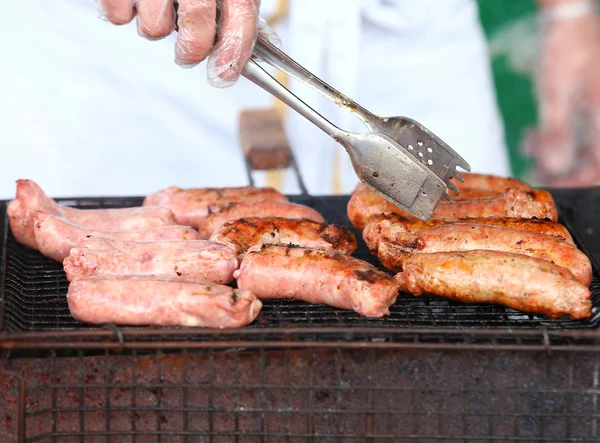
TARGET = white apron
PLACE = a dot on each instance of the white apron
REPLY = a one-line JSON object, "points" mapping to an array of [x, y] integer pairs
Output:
{"points": [[87, 108]]}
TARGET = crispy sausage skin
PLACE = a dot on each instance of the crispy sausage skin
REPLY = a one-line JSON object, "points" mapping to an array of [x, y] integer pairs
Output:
{"points": [[31, 198], [266, 208], [472, 194], [364, 204], [488, 182], [467, 237], [191, 206], [160, 302], [240, 235], [188, 260], [514, 203], [55, 236], [388, 226], [513, 280], [317, 276]]}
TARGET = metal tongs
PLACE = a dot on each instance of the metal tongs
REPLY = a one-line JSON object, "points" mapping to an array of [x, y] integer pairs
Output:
{"points": [[397, 158]]}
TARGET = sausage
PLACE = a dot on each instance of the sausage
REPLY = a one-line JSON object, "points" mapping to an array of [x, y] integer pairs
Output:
{"points": [[513, 280], [154, 301], [31, 198], [317, 276], [467, 237], [240, 235], [473, 193], [55, 236], [364, 204], [191, 206], [388, 226], [489, 182], [514, 203], [197, 260], [266, 208]]}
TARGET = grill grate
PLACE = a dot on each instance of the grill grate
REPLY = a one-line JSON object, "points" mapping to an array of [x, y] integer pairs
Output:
{"points": [[34, 290]]}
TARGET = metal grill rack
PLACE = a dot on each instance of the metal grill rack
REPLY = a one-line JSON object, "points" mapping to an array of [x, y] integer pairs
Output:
{"points": [[433, 371], [35, 287]]}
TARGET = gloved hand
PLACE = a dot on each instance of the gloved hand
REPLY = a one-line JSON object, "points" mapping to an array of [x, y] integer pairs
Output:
{"points": [[228, 46], [570, 94]]}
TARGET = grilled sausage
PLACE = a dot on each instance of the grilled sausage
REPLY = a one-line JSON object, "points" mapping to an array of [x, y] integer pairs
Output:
{"points": [[240, 235], [266, 208], [514, 203], [388, 226], [513, 280], [473, 193], [364, 204], [317, 276], [467, 237], [55, 236], [190, 260], [31, 198], [191, 206], [489, 182], [160, 302]]}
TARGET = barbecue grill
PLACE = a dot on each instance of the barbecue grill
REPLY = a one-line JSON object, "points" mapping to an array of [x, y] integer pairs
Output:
{"points": [[434, 370]]}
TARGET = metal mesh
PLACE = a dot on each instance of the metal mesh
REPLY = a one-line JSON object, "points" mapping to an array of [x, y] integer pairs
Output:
{"points": [[34, 292], [316, 395]]}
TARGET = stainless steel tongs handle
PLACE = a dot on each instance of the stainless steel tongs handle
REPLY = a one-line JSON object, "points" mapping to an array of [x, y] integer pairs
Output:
{"points": [[262, 78], [271, 55]]}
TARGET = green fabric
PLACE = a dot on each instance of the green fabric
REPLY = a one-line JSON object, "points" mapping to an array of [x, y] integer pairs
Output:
{"points": [[515, 88]]}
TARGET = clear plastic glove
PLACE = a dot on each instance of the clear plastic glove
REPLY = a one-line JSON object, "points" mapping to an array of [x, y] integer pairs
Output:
{"points": [[228, 46], [570, 96]]}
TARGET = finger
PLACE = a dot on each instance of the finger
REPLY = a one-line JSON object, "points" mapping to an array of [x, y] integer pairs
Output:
{"points": [[556, 108], [118, 12], [156, 18], [237, 32], [197, 20]]}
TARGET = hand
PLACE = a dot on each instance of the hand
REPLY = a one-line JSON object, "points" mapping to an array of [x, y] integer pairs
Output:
{"points": [[570, 92], [227, 46]]}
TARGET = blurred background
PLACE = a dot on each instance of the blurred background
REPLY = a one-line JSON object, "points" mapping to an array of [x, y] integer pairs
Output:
{"points": [[89, 108]]}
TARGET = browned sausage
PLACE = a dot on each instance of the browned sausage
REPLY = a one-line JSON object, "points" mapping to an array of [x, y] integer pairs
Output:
{"points": [[473, 193], [240, 235], [31, 198], [364, 204], [513, 280], [467, 237], [198, 260], [317, 276], [266, 208], [388, 226], [55, 236], [160, 302], [489, 182], [191, 206], [513, 203]]}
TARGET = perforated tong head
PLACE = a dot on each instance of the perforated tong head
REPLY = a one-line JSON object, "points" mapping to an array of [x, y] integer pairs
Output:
{"points": [[397, 158]]}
